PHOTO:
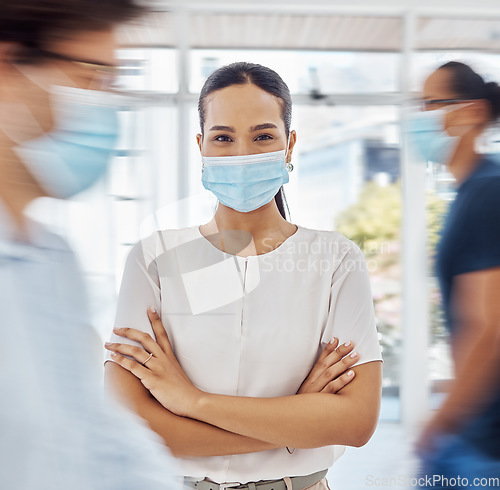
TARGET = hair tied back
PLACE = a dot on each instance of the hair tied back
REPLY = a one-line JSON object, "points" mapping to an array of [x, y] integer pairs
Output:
{"points": [[492, 94]]}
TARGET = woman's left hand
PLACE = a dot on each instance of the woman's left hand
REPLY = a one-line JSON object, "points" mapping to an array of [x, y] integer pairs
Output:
{"points": [[156, 366]]}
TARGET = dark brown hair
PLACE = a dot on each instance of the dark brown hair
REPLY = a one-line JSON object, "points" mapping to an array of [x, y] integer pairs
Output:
{"points": [[468, 84], [32, 23]]}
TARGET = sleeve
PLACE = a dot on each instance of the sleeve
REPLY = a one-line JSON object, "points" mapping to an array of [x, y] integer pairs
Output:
{"points": [[351, 315], [479, 246], [140, 289]]}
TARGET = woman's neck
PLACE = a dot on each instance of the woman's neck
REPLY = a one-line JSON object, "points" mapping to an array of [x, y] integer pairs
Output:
{"points": [[254, 233], [259, 222], [465, 159]]}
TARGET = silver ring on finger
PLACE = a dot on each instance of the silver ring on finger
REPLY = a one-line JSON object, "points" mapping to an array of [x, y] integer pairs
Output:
{"points": [[150, 356]]}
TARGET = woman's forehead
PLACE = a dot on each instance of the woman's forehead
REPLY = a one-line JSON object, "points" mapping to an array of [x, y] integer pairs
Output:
{"points": [[242, 101]]}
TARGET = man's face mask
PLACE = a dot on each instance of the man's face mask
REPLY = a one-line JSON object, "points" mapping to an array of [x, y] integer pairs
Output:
{"points": [[78, 149]]}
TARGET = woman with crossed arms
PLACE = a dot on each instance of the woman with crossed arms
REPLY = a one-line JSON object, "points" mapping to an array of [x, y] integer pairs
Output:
{"points": [[247, 376]]}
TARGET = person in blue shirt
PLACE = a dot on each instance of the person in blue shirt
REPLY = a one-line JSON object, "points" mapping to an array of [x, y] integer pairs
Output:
{"points": [[463, 437], [58, 128]]}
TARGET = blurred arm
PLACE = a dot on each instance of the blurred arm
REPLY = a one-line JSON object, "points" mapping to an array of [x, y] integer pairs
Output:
{"points": [[476, 349]]}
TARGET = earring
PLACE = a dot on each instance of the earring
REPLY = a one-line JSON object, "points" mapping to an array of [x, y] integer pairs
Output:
{"points": [[289, 165]]}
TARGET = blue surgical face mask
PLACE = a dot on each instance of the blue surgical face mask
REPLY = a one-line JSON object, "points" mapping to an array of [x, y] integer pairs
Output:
{"points": [[77, 151], [429, 138], [245, 182]]}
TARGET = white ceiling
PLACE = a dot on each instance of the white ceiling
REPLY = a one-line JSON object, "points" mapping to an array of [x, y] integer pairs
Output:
{"points": [[396, 5], [316, 29]]}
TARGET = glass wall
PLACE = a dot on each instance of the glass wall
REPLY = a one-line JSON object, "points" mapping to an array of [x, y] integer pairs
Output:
{"points": [[347, 176]]}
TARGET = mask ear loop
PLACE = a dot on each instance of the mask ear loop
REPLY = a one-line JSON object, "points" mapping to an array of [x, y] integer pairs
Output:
{"points": [[13, 130], [288, 163], [456, 107], [40, 81], [16, 131]]}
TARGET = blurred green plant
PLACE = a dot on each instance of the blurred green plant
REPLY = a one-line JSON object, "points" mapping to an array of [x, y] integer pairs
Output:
{"points": [[374, 224], [374, 219], [436, 212]]}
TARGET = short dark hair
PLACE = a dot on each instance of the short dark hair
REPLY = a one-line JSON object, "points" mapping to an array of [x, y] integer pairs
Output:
{"points": [[33, 23], [241, 73], [468, 84]]}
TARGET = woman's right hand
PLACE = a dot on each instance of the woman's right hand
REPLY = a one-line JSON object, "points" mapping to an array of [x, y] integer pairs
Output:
{"points": [[331, 371]]}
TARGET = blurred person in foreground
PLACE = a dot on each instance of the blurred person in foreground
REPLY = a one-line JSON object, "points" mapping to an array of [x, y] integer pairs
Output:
{"points": [[463, 437], [57, 133]]}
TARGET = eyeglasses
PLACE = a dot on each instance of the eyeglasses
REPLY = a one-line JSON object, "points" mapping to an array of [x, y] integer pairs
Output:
{"points": [[105, 74], [427, 105]]}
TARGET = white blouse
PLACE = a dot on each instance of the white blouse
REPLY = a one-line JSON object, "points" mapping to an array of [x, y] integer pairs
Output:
{"points": [[251, 326]]}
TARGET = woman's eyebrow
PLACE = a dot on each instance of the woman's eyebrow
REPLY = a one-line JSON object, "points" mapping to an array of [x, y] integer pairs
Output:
{"points": [[229, 129], [259, 127]]}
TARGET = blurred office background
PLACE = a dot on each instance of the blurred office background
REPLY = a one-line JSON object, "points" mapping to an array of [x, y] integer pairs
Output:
{"points": [[354, 69]]}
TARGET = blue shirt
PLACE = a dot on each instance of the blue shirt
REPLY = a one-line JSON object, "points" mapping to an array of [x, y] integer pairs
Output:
{"points": [[57, 429], [471, 242]]}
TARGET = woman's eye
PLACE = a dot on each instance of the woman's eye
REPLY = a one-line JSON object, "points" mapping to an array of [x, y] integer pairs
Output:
{"points": [[222, 137], [263, 137]]}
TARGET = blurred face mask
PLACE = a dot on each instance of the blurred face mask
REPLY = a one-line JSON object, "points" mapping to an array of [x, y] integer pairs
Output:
{"points": [[77, 151], [428, 136], [245, 182]]}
